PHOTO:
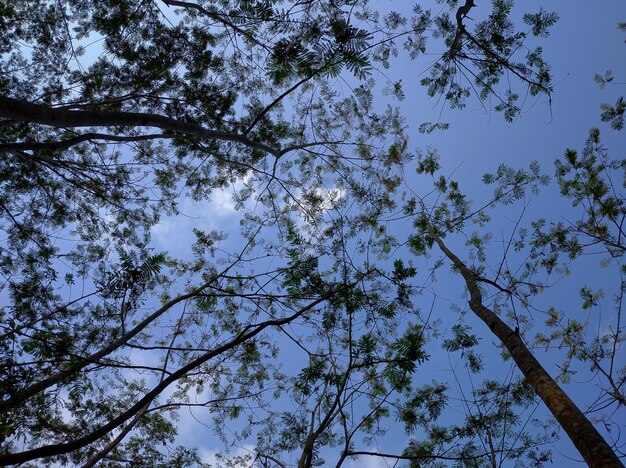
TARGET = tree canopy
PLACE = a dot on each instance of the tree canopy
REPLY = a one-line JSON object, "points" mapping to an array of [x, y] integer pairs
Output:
{"points": [[306, 331]]}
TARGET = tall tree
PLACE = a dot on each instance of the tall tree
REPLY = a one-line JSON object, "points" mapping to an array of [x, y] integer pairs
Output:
{"points": [[591, 183]]}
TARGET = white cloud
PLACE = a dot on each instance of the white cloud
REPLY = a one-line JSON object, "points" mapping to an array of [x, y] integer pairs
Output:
{"points": [[245, 454], [327, 200], [223, 203], [174, 234]]}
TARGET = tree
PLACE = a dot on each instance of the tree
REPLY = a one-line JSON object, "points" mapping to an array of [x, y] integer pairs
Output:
{"points": [[590, 183], [113, 112]]}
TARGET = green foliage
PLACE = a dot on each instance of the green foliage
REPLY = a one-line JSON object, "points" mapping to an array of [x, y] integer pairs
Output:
{"points": [[428, 127], [614, 114], [425, 406], [486, 54], [409, 349], [428, 163], [462, 339], [541, 22], [603, 80], [492, 416], [310, 375], [131, 276], [586, 179], [505, 277]]}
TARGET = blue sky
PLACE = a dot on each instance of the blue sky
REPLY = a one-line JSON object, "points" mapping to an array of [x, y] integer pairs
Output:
{"points": [[585, 41]]}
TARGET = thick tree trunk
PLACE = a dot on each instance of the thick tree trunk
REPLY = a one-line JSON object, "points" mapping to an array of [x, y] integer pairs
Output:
{"points": [[588, 441]]}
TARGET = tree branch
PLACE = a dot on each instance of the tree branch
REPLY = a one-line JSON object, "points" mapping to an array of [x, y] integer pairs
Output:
{"points": [[53, 379], [69, 142], [24, 111], [214, 15], [249, 332], [461, 13], [414, 457]]}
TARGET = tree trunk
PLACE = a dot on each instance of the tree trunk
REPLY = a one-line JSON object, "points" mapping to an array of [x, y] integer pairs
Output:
{"points": [[588, 441]]}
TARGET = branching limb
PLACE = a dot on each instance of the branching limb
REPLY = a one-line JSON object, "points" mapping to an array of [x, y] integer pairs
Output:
{"points": [[214, 15], [24, 111], [455, 50], [246, 334], [461, 13], [68, 143]]}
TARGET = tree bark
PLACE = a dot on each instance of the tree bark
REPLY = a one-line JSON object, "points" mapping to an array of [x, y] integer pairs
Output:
{"points": [[591, 445], [24, 111]]}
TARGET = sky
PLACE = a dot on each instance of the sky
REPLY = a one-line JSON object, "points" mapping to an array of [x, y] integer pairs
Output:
{"points": [[585, 41]]}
